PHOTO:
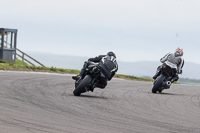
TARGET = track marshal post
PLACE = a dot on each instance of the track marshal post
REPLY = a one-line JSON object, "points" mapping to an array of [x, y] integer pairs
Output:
{"points": [[8, 44]]}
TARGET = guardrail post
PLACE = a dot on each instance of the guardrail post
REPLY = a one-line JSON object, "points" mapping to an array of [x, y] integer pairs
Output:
{"points": [[22, 57]]}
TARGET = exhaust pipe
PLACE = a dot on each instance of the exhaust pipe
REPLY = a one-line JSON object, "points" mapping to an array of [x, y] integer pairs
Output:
{"points": [[168, 84]]}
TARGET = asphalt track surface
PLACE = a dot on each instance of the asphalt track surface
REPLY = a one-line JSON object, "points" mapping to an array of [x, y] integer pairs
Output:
{"points": [[44, 103]]}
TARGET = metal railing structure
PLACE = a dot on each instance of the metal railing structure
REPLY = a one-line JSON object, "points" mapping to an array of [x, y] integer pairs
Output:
{"points": [[9, 50], [22, 56], [25, 59]]}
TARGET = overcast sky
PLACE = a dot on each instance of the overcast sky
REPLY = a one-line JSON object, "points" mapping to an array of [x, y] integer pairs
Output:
{"points": [[136, 30]]}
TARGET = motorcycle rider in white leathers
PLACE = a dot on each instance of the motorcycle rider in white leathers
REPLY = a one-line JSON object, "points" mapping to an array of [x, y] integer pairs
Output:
{"points": [[175, 60]]}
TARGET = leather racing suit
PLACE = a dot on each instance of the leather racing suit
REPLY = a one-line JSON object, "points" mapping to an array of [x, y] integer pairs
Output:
{"points": [[108, 66], [174, 60]]}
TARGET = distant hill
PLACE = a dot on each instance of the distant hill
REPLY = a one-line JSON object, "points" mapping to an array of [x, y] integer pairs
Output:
{"points": [[148, 68], [141, 69]]}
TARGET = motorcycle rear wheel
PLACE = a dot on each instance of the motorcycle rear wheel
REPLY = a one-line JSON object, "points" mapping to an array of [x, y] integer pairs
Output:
{"points": [[158, 84], [81, 87]]}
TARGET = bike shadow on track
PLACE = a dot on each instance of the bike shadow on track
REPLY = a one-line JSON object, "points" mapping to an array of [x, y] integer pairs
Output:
{"points": [[89, 96], [172, 94]]}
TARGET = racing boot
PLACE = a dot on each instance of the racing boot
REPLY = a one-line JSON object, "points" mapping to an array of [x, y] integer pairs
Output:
{"points": [[174, 79], [77, 77], [155, 76], [157, 73]]}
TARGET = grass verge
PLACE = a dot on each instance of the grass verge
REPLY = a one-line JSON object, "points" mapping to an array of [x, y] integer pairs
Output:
{"points": [[22, 66]]}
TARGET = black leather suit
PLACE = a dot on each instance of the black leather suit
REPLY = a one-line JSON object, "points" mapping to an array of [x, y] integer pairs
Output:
{"points": [[108, 66]]}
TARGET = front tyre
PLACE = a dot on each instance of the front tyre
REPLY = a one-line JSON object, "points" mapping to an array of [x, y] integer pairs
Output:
{"points": [[81, 87], [158, 84]]}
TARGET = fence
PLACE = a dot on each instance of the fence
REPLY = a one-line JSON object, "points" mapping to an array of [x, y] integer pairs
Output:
{"points": [[25, 59]]}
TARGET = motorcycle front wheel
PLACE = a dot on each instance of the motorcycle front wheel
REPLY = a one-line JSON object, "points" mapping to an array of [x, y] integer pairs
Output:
{"points": [[81, 87]]}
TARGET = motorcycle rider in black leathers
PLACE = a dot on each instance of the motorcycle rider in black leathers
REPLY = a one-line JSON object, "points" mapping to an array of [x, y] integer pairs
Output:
{"points": [[108, 66], [176, 60]]}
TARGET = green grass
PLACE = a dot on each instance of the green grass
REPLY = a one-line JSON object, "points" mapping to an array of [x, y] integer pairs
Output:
{"points": [[133, 77], [22, 66]]}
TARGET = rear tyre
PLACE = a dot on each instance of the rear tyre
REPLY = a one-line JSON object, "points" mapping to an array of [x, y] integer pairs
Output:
{"points": [[158, 84], [81, 87], [160, 90]]}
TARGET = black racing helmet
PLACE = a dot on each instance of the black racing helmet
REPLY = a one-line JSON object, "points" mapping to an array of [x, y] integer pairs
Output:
{"points": [[111, 54]]}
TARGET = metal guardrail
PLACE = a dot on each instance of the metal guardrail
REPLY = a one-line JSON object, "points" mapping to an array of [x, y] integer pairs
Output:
{"points": [[24, 59], [24, 54]]}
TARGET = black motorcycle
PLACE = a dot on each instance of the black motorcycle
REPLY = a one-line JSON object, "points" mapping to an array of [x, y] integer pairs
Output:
{"points": [[163, 81], [89, 81]]}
